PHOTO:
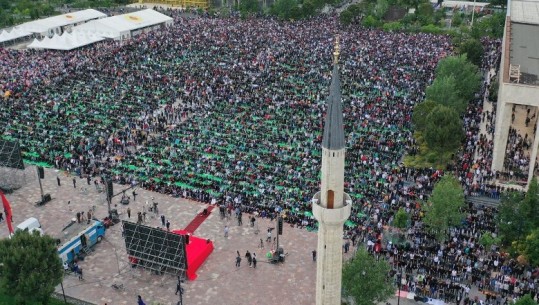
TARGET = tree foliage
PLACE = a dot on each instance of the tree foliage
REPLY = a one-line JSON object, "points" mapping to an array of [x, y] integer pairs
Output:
{"points": [[487, 240], [248, 7], [531, 247], [30, 267], [473, 50], [365, 280], [401, 219], [491, 26], [518, 222], [444, 92], [466, 75], [508, 219], [525, 300], [421, 111], [443, 131], [444, 208]]}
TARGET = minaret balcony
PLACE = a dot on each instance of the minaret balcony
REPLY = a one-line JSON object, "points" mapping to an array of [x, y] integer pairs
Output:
{"points": [[335, 216]]}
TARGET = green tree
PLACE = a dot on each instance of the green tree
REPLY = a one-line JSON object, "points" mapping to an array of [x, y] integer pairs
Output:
{"points": [[501, 3], [365, 280], [444, 92], [346, 17], [531, 247], [284, 9], [525, 300], [465, 73], [248, 7], [487, 240], [380, 9], [444, 208], [30, 267], [401, 219], [412, 3], [421, 111], [443, 131], [529, 207], [508, 220], [473, 50]]}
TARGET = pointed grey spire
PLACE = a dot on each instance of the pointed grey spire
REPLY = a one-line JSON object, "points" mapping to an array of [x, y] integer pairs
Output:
{"points": [[333, 129]]}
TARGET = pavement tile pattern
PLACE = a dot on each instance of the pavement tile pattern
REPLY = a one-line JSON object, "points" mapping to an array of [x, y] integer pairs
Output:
{"points": [[218, 282]]}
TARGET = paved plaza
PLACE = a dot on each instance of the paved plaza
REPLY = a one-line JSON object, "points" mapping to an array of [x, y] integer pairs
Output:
{"points": [[218, 282]]}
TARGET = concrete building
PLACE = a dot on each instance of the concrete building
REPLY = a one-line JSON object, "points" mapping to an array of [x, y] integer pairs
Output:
{"points": [[519, 71], [331, 206]]}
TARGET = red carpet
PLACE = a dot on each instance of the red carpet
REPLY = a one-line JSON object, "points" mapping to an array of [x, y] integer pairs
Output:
{"points": [[199, 219], [197, 250]]}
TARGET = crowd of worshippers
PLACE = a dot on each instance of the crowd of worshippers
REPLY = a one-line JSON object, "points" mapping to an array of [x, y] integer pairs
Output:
{"points": [[230, 112], [204, 123], [208, 109], [446, 271]]}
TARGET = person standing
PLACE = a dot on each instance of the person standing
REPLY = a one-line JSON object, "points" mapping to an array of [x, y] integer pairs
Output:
{"points": [[254, 260], [129, 213], [80, 274], [238, 261], [314, 255], [134, 196], [58, 181], [74, 183], [226, 231], [261, 246], [168, 225], [163, 220], [140, 301], [249, 258]]}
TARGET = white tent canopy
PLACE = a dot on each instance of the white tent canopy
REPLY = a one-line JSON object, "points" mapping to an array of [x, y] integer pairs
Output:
{"points": [[67, 41], [117, 26], [13, 34], [46, 24]]}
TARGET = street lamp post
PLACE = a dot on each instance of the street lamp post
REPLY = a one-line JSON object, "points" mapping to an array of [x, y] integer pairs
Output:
{"points": [[473, 12], [399, 279]]}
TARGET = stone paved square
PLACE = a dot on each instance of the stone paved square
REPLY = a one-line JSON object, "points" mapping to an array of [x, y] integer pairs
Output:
{"points": [[218, 282]]}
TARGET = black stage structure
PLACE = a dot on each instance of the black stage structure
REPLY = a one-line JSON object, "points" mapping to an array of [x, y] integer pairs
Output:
{"points": [[12, 175], [155, 249]]}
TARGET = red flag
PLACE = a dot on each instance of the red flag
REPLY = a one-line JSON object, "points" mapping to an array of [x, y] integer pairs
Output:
{"points": [[7, 212]]}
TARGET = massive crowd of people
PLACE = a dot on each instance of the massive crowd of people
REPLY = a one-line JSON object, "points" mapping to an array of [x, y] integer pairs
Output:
{"points": [[229, 111]]}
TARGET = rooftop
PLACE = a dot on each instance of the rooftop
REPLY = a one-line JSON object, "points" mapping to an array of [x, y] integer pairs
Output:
{"points": [[525, 11], [522, 47]]}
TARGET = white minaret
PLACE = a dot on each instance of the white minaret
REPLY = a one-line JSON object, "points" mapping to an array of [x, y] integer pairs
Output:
{"points": [[331, 206]]}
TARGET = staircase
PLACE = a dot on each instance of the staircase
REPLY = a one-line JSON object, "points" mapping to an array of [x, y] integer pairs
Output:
{"points": [[86, 250]]}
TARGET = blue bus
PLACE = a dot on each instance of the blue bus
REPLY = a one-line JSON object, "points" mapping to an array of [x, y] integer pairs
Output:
{"points": [[79, 237]]}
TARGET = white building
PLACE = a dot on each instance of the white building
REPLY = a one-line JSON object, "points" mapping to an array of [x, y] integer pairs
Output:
{"points": [[331, 206], [519, 72]]}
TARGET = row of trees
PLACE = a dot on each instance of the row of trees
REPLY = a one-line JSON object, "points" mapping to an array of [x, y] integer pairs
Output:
{"points": [[518, 223], [437, 120], [285, 9], [391, 15]]}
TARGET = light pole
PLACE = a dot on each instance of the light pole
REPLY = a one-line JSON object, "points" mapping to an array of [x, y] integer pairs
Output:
{"points": [[473, 12], [180, 292], [399, 279]]}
